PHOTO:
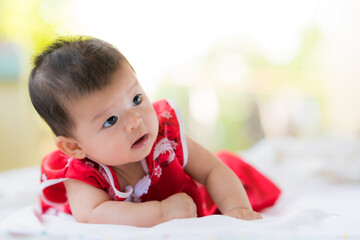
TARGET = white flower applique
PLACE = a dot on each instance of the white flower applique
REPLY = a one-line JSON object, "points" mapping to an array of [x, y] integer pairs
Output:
{"points": [[141, 188], [158, 171], [166, 115], [165, 146]]}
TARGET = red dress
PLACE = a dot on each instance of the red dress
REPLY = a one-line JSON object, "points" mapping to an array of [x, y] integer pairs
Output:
{"points": [[165, 174]]}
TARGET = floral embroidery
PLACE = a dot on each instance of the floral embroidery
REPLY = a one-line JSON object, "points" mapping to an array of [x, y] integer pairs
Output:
{"points": [[164, 151], [158, 171], [166, 115]]}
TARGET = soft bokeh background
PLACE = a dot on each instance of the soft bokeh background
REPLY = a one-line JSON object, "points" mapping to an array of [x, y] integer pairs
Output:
{"points": [[240, 71]]}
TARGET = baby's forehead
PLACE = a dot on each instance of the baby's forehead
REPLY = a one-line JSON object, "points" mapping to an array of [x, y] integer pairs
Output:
{"points": [[124, 75], [121, 82]]}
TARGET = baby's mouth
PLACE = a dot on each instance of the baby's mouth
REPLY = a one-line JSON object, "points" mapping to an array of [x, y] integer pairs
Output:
{"points": [[142, 141]]}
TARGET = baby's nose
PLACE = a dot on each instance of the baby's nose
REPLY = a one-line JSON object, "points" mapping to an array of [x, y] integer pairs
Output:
{"points": [[134, 122]]}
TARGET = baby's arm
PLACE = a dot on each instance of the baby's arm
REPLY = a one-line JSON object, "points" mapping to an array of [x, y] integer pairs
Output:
{"points": [[92, 205], [221, 182]]}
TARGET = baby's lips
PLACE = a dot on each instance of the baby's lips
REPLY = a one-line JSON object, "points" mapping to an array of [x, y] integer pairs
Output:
{"points": [[140, 141]]}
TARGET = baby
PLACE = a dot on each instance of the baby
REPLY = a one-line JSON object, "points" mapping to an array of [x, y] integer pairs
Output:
{"points": [[122, 159]]}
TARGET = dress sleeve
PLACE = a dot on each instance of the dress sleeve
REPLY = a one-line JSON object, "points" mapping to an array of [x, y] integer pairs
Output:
{"points": [[57, 168]]}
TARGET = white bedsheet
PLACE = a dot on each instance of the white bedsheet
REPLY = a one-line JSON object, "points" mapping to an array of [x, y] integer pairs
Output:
{"points": [[320, 179]]}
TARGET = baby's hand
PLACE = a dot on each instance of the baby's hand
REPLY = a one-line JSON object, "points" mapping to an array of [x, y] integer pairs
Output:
{"points": [[179, 205], [244, 214]]}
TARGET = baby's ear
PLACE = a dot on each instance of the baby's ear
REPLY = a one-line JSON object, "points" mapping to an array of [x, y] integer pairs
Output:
{"points": [[70, 147]]}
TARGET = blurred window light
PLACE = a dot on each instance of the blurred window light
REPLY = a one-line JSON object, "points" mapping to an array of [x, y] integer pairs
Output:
{"points": [[158, 38], [187, 74], [229, 68], [204, 107], [291, 113]]}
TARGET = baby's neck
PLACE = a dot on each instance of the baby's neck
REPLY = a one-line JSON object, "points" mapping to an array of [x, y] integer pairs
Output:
{"points": [[129, 174]]}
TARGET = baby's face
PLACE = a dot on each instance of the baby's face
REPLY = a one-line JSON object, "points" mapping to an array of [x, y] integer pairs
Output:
{"points": [[118, 124]]}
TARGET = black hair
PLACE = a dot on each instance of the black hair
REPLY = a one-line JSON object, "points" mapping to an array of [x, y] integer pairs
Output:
{"points": [[68, 69]]}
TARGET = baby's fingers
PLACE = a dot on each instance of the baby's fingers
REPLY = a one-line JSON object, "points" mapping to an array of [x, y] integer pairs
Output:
{"points": [[244, 214], [250, 215]]}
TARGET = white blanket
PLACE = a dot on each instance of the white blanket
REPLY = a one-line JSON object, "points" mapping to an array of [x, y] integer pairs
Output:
{"points": [[320, 180]]}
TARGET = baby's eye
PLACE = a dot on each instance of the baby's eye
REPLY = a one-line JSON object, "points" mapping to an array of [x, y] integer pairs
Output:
{"points": [[110, 121], [137, 100]]}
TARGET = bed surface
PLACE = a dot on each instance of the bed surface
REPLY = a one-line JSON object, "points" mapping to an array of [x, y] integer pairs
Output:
{"points": [[320, 180]]}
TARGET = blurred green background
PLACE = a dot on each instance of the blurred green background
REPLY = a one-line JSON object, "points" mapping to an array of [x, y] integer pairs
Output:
{"points": [[240, 71]]}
